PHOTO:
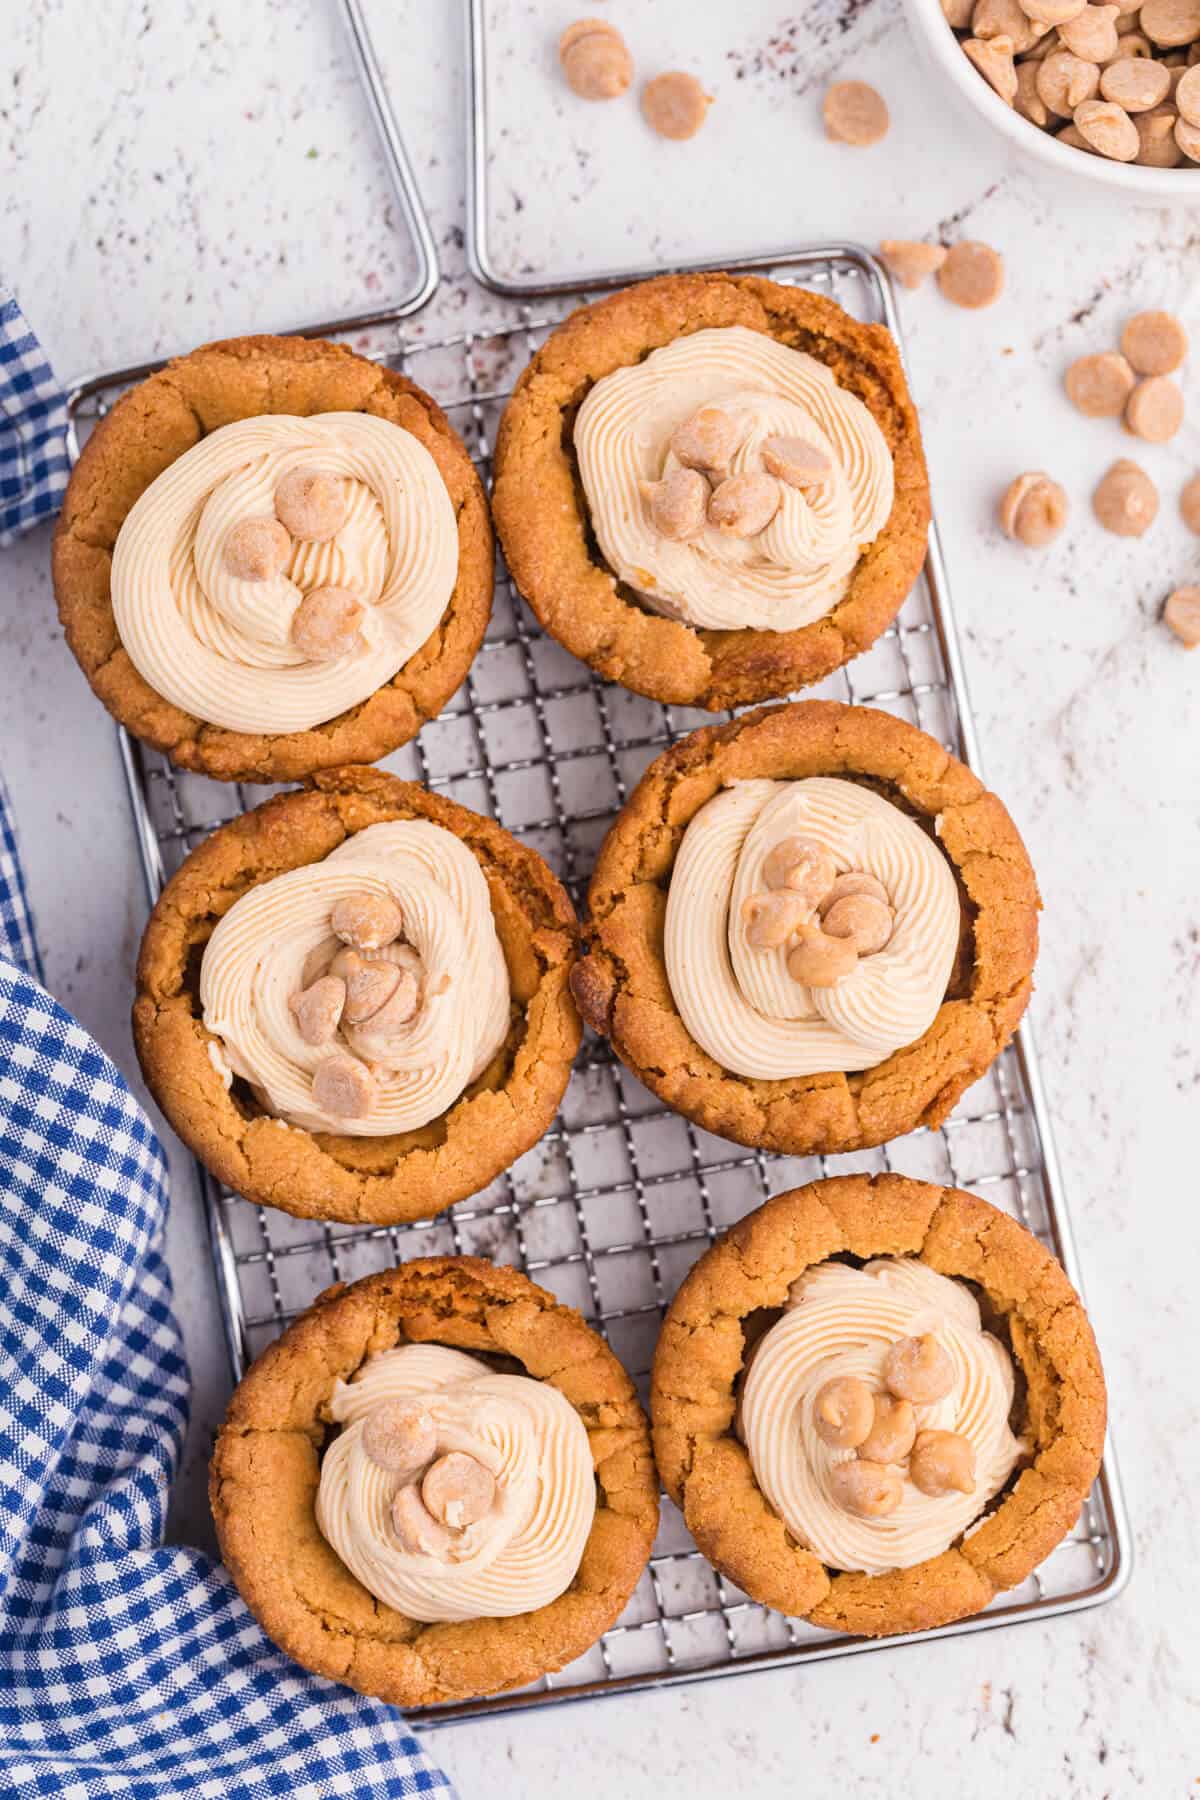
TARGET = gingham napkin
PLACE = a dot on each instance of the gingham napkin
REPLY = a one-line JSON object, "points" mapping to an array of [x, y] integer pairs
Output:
{"points": [[127, 1669]]}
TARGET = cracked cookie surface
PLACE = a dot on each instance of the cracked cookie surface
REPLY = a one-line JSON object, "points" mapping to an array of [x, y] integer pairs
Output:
{"points": [[154, 424], [621, 981], [266, 1469], [541, 513], [1061, 1404], [380, 1180]]}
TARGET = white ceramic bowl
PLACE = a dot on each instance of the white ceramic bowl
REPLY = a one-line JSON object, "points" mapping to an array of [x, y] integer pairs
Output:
{"points": [[1036, 146]]}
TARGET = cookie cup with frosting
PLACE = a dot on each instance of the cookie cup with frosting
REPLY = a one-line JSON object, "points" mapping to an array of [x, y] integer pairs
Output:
{"points": [[205, 664], [708, 1450], [946, 993], [483, 1059], [266, 1485], [717, 619]]}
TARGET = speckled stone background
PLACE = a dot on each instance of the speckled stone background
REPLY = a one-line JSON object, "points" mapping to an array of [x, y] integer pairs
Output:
{"points": [[177, 171]]}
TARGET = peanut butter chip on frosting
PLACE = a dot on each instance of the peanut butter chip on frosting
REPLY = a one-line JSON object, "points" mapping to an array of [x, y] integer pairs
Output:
{"points": [[771, 919], [972, 275], [675, 105], [318, 1009], [399, 1437], [1099, 385], [911, 262], [869, 1490], [311, 504], [803, 866], [458, 1490], [256, 549], [595, 60], [417, 1531], [367, 920], [855, 113], [893, 1428], [742, 506], [942, 1462], [1181, 615], [1154, 343], [796, 461], [369, 985], [344, 1087], [326, 624], [918, 1369], [1033, 510], [843, 1412], [707, 440], [678, 503], [862, 918], [1126, 500], [821, 961]]}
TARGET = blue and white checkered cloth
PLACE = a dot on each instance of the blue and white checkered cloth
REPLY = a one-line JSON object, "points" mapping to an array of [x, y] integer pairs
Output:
{"points": [[128, 1670], [33, 424]]}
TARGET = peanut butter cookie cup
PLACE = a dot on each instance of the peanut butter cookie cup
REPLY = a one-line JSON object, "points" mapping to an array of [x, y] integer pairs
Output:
{"points": [[274, 557], [711, 488], [353, 1002], [878, 1403], [810, 930], [437, 1483]]}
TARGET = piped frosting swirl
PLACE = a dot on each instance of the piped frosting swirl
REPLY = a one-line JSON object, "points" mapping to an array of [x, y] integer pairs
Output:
{"points": [[526, 1549], [221, 646], [798, 567], [276, 940], [841, 1322], [742, 1004]]}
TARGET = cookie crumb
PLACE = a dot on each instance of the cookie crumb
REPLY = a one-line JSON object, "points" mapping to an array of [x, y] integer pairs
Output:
{"points": [[855, 113], [675, 105], [972, 275]]}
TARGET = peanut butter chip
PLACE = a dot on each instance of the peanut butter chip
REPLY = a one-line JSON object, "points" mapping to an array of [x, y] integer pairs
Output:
{"points": [[1157, 146], [1154, 343], [770, 919], [595, 60], [367, 920], [1033, 510], [1092, 34], [311, 504], [801, 864], [855, 881], [993, 57], [318, 1009], [1029, 102], [256, 549], [843, 1412], [972, 275], [325, 624], [869, 1490], [369, 985], [910, 261], [1100, 385], [399, 1437], [1053, 12], [1189, 504], [705, 441], [1187, 137], [795, 461], [855, 113], [893, 1429], [396, 1011], [417, 1531], [1136, 83], [1065, 81], [957, 13], [821, 961], [1187, 99], [866, 921], [743, 505], [678, 503], [1155, 409], [1109, 129], [1005, 18], [918, 1369], [1181, 615], [343, 1086], [1171, 23], [1126, 500], [942, 1462], [458, 1490], [675, 105]]}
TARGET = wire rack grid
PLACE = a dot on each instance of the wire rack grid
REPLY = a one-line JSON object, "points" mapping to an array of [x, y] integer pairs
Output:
{"points": [[621, 1196]]}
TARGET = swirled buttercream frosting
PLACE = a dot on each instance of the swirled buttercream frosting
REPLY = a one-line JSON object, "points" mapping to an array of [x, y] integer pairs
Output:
{"points": [[842, 1322], [221, 644], [412, 1062], [525, 1549], [743, 1003], [798, 566]]}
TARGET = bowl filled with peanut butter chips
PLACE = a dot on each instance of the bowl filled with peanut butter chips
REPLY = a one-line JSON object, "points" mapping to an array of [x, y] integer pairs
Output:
{"points": [[1108, 93]]}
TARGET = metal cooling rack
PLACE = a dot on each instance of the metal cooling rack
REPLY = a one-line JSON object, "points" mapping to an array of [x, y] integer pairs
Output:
{"points": [[621, 1196]]}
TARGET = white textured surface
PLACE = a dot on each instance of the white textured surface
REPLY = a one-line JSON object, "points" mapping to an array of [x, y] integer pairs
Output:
{"points": [[186, 170]]}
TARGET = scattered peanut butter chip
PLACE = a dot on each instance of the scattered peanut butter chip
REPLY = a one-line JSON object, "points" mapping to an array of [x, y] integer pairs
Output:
{"points": [[595, 60], [1181, 615], [910, 262], [1065, 81], [1126, 500], [1188, 139], [675, 105], [1189, 505], [1187, 95], [972, 274], [1100, 385], [1136, 83], [1109, 129], [1033, 510], [993, 57], [855, 113], [1154, 343], [1158, 148], [1171, 23], [1092, 34], [1154, 410]]}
